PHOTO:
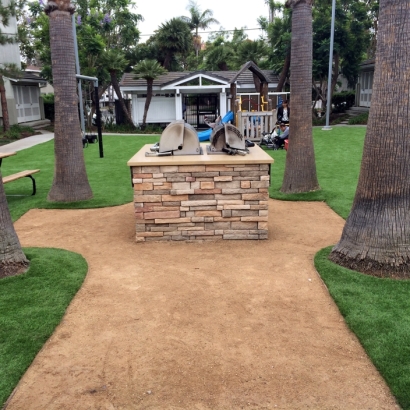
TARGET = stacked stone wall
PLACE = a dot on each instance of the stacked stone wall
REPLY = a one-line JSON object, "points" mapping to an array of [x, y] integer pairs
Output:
{"points": [[201, 202]]}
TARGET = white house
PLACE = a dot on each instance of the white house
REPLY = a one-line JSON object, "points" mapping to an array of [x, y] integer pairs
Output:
{"points": [[194, 95], [22, 94]]}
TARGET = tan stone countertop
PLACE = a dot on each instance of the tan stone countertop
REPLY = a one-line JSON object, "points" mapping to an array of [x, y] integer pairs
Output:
{"points": [[256, 156]]}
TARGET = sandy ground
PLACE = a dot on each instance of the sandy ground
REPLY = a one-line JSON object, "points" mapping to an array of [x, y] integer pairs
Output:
{"points": [[223, 325]]}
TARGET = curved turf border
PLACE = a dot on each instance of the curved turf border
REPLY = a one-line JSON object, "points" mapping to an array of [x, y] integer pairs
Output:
{"points": [[378, 312], [31, 306]]}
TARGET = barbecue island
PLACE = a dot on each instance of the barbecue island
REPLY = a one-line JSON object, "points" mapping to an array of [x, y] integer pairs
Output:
{"points": [[200, 197]]}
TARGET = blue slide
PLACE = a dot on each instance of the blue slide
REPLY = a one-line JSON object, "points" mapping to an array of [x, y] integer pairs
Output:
{"points": [[205, 135]]}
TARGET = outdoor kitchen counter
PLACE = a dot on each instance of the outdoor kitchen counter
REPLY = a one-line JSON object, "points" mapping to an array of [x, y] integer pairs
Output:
{"points": [[201, 197]]}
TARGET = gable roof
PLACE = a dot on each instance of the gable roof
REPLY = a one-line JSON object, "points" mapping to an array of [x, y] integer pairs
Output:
{"points": [[244, 76], [254, 69]]}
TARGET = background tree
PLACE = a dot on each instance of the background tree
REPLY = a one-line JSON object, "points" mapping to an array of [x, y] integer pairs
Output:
{"points": [[70, 181], [115, 63], [351, 42], [376, 236], [149, 70], [198, 20], [12, 258], [279, 39], [174, 42], [300, 169]]}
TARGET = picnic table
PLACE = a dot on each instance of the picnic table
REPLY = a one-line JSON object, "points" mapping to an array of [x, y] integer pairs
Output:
{"points": [[22, 174]]}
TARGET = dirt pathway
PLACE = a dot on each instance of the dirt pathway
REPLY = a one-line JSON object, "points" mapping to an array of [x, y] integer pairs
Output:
{"points": [[223, 325]]}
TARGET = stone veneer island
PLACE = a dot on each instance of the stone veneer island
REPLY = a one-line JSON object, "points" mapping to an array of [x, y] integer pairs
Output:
{"points": [[201, 197]]}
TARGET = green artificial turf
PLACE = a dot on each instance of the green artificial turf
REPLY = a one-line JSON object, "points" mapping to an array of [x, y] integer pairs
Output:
{"points": [[31, 306], [338, 154], [109, 176], [378, 312]]}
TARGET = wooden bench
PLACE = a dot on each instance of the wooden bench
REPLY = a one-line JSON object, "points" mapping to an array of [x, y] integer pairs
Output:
{"points": [[22, 174]]}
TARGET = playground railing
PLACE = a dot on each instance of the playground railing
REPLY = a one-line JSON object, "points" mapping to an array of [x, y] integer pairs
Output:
{"points": [[253, 124]]}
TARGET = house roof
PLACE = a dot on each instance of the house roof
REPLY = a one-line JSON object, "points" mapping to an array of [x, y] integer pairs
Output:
{"points": [[175, 77], [368, 64], [28, 78]]}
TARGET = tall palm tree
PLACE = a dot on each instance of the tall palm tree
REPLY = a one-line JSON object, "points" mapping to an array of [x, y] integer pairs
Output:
{"points": [[173, 37], [198, 20], [115, 62], [300, 170], [376, 236], [12, 258], [70, 177], [6, 70], [149, 70]]}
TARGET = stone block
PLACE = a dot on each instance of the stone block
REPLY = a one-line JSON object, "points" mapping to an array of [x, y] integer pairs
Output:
{"points": [[208, 213], [191, 168], [217, 225], [161, 215], [207, 185], [245, 184], [207, 191], [254, 218], [205, 174], [229, 197], [142, 175], [245, 212], [151, 169], [259, 184], [168, 168], [137, 180], [147, 198], [198, 219], [238, 236], [243, 225], [173, 198], [243, 206], [265, 177], [263, 225], [145, 234], [181, 185], [231, 191], [255, 197], [173, 221], [182, 191], [198, 203], [228, 184], [225, 178], [159, 175], [190, 179], [227, 219], [209, 219]]}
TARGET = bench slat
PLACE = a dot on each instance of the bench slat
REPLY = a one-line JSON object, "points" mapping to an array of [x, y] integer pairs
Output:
{"points": [[19, 175]]}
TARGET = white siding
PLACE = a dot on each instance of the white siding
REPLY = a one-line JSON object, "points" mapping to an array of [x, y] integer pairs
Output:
{"points": [[161, 110], [27, 103]]}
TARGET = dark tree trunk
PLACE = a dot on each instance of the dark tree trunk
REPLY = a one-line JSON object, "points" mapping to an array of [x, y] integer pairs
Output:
{"points": [[284, 73], [376, 236], [150, 82], [300, 168], [114, 83], [4, 109], [12, 259], [70, 177]]}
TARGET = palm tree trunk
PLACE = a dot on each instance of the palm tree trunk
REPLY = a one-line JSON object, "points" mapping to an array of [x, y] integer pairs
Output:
{"points": [[284, 73], [300, 170], [12, 259], [147, 101], [4, 109], [376, 236], [116, 86], [70, 177]]}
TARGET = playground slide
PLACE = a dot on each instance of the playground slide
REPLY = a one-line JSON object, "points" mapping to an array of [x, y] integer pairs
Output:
{"points": [[205, 135]]}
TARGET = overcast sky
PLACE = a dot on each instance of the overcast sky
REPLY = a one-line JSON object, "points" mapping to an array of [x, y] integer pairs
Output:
{"points": [[230, 14]]}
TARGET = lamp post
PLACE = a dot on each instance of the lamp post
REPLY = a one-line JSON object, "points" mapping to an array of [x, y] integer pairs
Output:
{"points": [[329, 79]]}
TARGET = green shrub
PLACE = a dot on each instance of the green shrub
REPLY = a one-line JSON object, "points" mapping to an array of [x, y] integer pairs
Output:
{"points": [[343, 101], [359, 119], [15, 132]]}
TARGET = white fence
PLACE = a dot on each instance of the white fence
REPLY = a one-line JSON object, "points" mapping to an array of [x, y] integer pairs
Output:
{"points": [[253, 124]]}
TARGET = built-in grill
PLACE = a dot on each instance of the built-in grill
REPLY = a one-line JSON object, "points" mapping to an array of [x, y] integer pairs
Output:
{"points": [[178, 138], [227, 139]]}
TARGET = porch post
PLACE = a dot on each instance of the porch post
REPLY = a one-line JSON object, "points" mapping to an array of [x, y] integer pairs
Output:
{"points": [[134, 114], [178, 106], [222, 104]]}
